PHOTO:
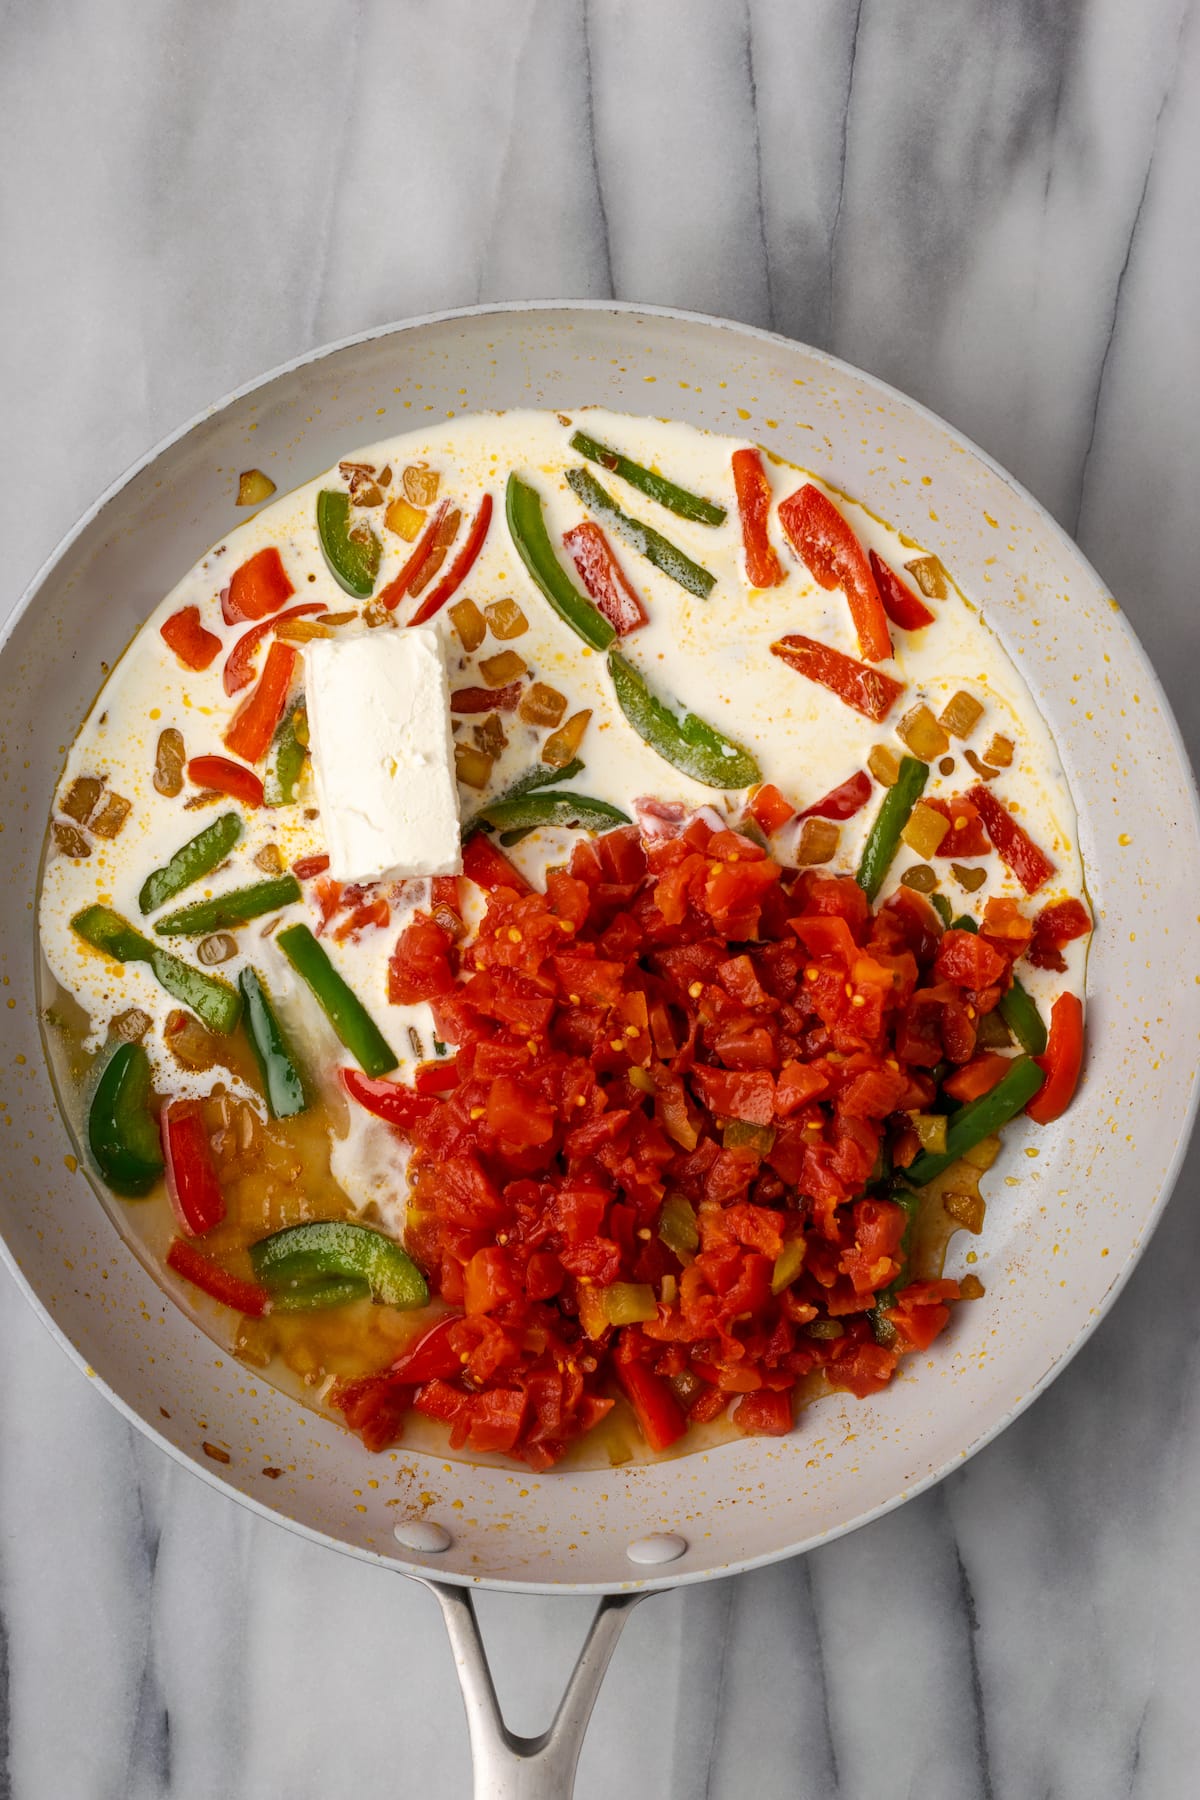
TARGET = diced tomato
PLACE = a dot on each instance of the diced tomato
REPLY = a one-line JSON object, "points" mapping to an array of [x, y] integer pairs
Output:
{"points": [[308, 866], [444, 892], [768, 808], [967, 959], [373, 1406], [736, 1094], [795, 1085], [863, 1367], [193, 644], [604, 578], [1062, 1061], [900, 604], [825, 542], [419, 967], [966, 836], [253, 726], [400, 1106], [258, 587], [869, 691], [225, 777], [763, 567], [489, 868], [489, 1281], [213, 1279], [1014, 846], [844, 801], [434, 1354], [764, 1414], [192, 1185], [978, 1077], [1055, 927]]}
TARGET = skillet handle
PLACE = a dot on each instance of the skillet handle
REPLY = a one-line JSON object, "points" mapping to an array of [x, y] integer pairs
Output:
{"points": [[509, 1767]]}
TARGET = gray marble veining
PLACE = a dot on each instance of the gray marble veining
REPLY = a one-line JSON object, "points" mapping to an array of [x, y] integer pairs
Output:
{"points": [[991, 203]]}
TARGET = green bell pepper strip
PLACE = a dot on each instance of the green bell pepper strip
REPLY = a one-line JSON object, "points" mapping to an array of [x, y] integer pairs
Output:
{"points": [[235, 908], [340, 1004], [910, 1204], [525, 812], [651, 544], [319, 1296], [199, 856], [303, 1256], [276, 1065], [883, 839], [675, 499], [1019, 1011], [122, 1131], [210, 998], [687, 743], [980, 1119], [353, 562], [527, 527], [287, 761]]}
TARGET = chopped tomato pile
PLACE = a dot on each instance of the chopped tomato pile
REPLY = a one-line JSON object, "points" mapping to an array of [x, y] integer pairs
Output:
{"points": [[679, 1071]]}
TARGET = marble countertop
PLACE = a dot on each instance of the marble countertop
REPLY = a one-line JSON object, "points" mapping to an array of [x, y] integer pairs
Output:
{"points": [[990, 203]]}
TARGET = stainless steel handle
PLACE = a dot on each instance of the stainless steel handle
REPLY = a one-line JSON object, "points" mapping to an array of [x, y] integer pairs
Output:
{"points": [[509, 1767]]}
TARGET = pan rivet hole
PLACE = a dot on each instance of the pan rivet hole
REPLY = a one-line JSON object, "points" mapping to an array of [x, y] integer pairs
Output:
{"points": [[422, 1534], [659, 1547]]}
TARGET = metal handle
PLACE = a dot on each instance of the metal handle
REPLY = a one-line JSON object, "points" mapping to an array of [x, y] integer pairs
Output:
{"points": [[509, 1767]]}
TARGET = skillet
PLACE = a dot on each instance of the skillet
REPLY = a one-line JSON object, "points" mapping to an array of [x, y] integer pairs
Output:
{"points": [[1058, 1246]]}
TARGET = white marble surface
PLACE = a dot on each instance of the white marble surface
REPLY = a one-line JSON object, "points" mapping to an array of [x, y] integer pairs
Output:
{"points": [[992, 203]]}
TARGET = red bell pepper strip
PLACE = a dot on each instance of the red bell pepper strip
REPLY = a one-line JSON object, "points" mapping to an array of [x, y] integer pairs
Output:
{"points": [[460, 568], [843, 802], [768, 808], [394, 592], [763, 567], [978, 1077], [869, 691], [899, 602], [239, 664], [485, 700], [226, 777], [1061, 1063], [1013, 844], [192, 1181], [308, 866], [260, 586], [388, 1100], [834, 556], [658, 1412], [254, 723], [489, 868], [604, 578], [230, 1290], [192, 643], [437, 1077], [1054, 927]]}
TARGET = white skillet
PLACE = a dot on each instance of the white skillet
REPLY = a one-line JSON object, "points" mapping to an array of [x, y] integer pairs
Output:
{"points": [[1057, 1247]]}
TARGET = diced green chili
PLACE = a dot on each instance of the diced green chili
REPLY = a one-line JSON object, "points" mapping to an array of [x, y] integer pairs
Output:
{"points": [[687, 743], [304, 1259], [527, 527], [677, 1227], [980, 1118], [122, 1131], [942, 907], [340, 1004], [199, 856], [651, 544], [525, 812], [234, 908], [276, 1065], [884, 837], [1019, 1011], [286, 764], [210, 998], [675, 499], [353, 560]]}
